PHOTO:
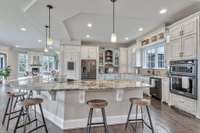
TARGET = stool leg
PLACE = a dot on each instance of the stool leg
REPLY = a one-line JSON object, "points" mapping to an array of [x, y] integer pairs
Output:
{"points": [[35, 113], [15, 104], [16, 125], [27, 117], [9, 115], [148, 112], [142, 116], [6, 111], [89, 120], [136, 117], [45, 126], [104, 120], [129, 114]]}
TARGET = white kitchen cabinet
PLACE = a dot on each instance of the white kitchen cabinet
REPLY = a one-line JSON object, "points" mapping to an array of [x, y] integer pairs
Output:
{"points": [[189, 46], [175, 49], [175, 32], [123, 65], [189, 26], [165, 90], [88, 52], [186, 104], [183, 39]]}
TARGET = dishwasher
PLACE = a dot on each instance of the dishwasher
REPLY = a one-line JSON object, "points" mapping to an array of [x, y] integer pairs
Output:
{"points": [[156, 87]]}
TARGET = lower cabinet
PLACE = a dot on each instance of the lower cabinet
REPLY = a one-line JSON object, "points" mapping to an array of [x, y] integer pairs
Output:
{"points": [[186, 104]]}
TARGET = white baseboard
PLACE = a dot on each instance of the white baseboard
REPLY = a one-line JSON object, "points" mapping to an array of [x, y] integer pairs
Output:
{"points": [[81, 123]]}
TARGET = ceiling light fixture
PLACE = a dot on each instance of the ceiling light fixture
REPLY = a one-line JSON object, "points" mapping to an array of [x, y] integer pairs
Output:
{"points": [[126, 38], [49, 40], [87, 36], [163, 11], [113, 35], [46, 30], [39, 41], [23, 29], [89, 25], [140, 29]]}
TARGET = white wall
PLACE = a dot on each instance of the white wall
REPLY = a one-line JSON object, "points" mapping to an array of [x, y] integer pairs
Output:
{"points": [[12, 59]]}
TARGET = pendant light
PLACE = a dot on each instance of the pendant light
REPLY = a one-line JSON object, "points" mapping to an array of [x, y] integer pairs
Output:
{"points": [[113, 35], [46, 30], [49, 40]]}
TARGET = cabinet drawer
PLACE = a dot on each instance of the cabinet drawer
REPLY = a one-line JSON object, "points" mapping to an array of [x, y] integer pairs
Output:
{"points": [[185, 104]]}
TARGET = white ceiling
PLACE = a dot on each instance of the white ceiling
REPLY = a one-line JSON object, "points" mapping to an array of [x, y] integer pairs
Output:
{"points": [[70, 18]]}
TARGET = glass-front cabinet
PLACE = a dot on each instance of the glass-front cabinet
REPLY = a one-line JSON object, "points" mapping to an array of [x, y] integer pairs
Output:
{"points": [[108, 60]]}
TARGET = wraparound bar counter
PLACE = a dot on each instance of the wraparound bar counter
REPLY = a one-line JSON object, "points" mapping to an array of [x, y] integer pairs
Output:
{"points": [[65, 102]]}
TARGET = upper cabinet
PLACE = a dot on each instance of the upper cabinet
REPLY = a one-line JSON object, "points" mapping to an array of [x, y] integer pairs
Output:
{"points": [[183, 39], [88, 52]]}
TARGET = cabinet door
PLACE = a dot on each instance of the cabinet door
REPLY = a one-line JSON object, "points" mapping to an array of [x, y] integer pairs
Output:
{"points": [[189, 27], [92, 53], [189, 45], [84, 52], [175, 49], [165, 90], [175, 32]]}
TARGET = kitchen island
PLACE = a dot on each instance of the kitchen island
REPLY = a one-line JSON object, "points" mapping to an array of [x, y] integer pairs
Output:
{"points": [[65, 102]]}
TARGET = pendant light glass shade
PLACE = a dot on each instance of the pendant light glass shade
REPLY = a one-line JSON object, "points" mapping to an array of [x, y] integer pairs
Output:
{"points": [[49, 41], [46, 50], [113, 38]]}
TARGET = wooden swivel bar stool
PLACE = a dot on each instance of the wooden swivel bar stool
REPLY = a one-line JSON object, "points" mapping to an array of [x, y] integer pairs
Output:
{"points": [[141, 103], [97, 104], [14, 98], [25, 105]]}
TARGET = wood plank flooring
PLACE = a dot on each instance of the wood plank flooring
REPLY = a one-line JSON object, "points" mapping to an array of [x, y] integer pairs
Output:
{"points": [[165, 120]]}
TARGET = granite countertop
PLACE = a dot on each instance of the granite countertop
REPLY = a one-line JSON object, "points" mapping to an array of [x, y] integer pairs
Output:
{"points": [[40, 84]]}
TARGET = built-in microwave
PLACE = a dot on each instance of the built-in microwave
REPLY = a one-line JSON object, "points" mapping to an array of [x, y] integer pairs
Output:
{"points": [[183, 78]]}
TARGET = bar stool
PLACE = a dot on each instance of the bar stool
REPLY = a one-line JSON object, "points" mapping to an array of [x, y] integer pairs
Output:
{"points": [[141, 102], [25, 105], [97, 104], [14, 98]]}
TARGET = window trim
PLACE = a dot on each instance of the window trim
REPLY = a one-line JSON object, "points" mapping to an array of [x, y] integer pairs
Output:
{"points": [[144, 58]]}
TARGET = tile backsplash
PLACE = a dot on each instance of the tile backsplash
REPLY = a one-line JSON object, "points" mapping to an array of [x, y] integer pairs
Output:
{"points": [[154, 72]]}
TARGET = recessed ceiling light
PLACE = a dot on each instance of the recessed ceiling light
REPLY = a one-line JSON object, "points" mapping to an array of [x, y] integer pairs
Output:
{"points": [[23, 29], [163, 11], [89, 25], [87, 36], [140, 29], [17, 46], [126, 38], [39, 41]]}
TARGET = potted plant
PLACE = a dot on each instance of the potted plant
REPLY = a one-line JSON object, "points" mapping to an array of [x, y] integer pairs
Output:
{"points": [[5, 73]]}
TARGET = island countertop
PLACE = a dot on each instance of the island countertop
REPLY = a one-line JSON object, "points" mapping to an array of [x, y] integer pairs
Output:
{"points": [[41, 84]]}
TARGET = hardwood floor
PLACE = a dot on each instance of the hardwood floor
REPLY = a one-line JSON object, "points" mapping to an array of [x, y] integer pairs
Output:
{"points": [[165, 120]]}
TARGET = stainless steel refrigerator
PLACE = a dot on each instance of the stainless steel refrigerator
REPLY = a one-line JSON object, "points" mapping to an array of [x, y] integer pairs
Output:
{"points": [[88, 69]]}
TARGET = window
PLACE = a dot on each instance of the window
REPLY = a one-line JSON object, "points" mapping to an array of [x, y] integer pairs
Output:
{"points": [[49, 63], [153, 56], [2, 60], [22, 63]]}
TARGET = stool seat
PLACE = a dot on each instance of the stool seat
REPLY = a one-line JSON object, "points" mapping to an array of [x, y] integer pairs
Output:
{"points": [[97, 103], [140, 101], [31, 102], [16, 94]]}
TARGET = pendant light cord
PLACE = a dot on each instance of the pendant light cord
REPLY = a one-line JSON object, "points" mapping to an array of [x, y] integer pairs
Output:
{"points": [[49, 23], [46, 34], [113, 16]]}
